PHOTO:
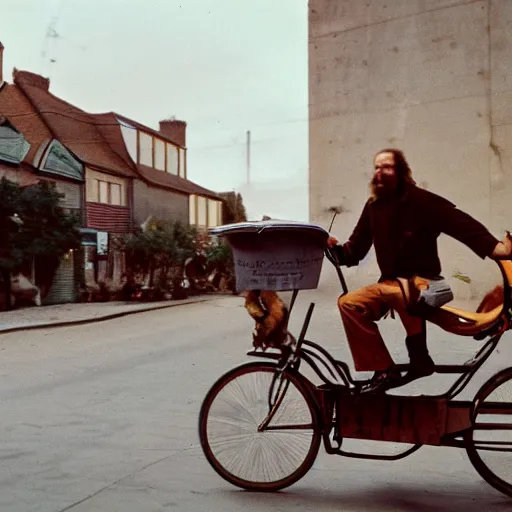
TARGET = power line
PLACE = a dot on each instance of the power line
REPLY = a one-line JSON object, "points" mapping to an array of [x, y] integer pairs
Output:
{"points": [[93, 123], [86, 114]]}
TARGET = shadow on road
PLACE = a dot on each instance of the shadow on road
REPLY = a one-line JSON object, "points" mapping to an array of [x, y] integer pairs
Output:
{"points": [[391, 498]]}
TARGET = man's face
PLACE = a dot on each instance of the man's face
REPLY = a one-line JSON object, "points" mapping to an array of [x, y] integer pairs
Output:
{"points": [[384, 179]]}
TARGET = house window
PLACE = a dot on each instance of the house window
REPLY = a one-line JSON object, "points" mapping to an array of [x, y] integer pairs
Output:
{"points": [[13, 146], [58, 160], [172, 159], [192, 201], [213, 219], [145, 149], [201, 211], [115, 194], [105, 189], [159, 154], [103, 195], [130, 139], [92, 194], [183, 164]]}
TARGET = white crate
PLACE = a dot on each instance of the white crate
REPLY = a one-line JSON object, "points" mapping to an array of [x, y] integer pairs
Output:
{"points": [[275, 255]]}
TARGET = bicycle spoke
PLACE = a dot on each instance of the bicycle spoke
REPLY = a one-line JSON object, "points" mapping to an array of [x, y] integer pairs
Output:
{"points": [[271, 456]]}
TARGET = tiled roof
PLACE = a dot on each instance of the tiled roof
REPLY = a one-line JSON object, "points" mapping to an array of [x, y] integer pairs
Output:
{"points": [[18, 110], [164, 179], [111, 132], [108, 125], [75, 129], [96, 139]]}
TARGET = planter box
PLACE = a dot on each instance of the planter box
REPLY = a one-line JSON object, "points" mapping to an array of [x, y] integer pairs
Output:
{"points": [[275, 255]]}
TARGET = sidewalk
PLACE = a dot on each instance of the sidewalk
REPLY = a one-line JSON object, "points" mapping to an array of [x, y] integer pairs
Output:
{"points": [[79, 313]]}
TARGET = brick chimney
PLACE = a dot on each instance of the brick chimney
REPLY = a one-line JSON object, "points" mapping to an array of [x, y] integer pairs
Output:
{"points": [[175, 130], [1, 62], [28, 78]]}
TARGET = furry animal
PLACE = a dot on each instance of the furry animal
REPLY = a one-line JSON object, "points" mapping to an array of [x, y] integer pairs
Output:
{"points": [[271, 318]]}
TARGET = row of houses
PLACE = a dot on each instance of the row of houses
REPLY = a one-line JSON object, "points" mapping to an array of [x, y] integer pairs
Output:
{"points": [[114, 172]]}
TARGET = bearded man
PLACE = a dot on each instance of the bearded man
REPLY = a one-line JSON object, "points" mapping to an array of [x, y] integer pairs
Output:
{"points": [[403, 223]]}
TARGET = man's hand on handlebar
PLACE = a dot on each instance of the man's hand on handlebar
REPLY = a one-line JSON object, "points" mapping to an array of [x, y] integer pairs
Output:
{"points": [[335, 251], [504, 249], [332, 241]]}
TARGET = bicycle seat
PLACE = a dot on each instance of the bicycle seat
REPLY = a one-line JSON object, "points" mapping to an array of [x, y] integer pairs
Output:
{"points": [[465, 323]]}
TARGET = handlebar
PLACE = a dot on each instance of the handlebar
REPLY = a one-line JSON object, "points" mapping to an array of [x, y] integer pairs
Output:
{"points": [[333, 258]]}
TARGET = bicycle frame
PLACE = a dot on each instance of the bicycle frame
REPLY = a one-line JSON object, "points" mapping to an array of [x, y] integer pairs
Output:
{"points": [[337, 379]]}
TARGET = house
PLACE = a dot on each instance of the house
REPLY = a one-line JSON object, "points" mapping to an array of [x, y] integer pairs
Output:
{"points": [[106, 199], [163, 189], [124, 173], [29, 153]]}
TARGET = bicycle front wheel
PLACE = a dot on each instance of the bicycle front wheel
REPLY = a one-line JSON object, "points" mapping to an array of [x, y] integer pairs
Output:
{"points": [[246, 446]]}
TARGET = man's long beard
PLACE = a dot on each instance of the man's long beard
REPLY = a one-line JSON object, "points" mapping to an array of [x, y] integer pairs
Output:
{"points": [[377, 192]]}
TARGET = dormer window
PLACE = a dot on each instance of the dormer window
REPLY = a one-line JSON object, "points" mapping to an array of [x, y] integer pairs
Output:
{"points": [[164, 153], [13, 146], [58, 160], [161, 155]]}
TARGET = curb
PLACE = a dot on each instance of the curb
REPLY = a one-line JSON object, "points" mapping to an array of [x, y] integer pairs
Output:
{"points": [[111, 316]]}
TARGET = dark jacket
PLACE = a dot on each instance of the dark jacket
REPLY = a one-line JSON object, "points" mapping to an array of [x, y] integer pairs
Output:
{"points": [[404, 232]]}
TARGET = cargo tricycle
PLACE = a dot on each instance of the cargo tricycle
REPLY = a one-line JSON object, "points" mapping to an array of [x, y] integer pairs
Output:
{"points": [[262, 423]]}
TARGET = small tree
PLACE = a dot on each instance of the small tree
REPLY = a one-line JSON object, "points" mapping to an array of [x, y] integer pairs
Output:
{"points": [[47, 229], [219, 257], [34, 225], [160, 251], [234, 209]]}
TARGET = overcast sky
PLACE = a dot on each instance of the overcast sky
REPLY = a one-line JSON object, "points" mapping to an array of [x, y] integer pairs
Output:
{"points": [[224, 66]]}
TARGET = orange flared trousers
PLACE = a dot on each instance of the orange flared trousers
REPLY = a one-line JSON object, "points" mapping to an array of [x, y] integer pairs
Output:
{"points": [[360, 310]]}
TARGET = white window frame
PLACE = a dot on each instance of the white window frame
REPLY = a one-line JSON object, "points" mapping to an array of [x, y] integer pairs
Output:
{"points": [[94, 179]]}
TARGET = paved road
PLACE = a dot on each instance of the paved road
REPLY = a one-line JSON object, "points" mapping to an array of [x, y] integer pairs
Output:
{"points": [[103, 417]]}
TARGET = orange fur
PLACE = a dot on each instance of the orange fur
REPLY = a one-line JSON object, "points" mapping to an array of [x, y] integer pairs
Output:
{"points": [[270, 314]]}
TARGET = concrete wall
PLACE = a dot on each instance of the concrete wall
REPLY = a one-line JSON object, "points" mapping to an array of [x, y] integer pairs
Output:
{"points": [[160, 203], [432, 77]]}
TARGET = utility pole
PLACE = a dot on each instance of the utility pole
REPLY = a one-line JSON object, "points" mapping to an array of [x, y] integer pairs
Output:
{"points": [[248, 157]]}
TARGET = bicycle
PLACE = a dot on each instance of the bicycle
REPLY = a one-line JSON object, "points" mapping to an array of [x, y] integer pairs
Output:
{"points": [[262, 423]]}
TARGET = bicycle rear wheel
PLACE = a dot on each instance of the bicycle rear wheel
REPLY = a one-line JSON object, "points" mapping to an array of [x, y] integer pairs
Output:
{"points": [[243, 444], [489, 442]]}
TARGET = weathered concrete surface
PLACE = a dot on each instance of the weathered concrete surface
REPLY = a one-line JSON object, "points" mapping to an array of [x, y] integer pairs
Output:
{"points": [[103, 417], [433, 78]]}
